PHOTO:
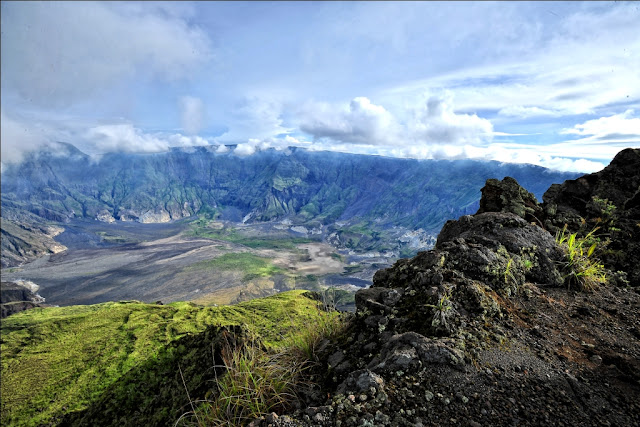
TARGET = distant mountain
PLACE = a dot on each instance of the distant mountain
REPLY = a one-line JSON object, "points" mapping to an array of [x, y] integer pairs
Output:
{"points": [[308, 188]]}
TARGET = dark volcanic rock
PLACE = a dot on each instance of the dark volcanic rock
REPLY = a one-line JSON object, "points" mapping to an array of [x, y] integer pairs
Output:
{"points": [[508, 196], [481, 331], [525, 243], [609, 200]]}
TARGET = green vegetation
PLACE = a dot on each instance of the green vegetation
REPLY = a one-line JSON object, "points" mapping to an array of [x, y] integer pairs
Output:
{"points": [[206, 228], [251, 265], [111, 238], [606, 211], [508, 274], [580, 267], [260, 382], [440, 309], [62, 359]]}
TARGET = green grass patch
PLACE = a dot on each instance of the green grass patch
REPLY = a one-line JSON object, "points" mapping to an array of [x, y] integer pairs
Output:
{"points": [[61, 359], [251, 265], [259, 382]]}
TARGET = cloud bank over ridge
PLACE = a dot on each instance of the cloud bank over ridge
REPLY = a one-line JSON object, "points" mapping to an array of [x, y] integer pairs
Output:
{"points": [[554, 84]]}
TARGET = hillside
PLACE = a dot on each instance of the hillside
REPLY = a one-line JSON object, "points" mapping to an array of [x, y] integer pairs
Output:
{"points": [[502, 323], [355, 199], [63, 360]]}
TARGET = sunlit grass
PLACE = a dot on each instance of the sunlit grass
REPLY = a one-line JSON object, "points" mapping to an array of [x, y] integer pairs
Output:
{"points": [[259, 381], [581, 268], [252, 266], [61, 359]]}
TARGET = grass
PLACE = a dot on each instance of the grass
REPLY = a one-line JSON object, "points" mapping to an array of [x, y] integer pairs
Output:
{"points": [[62, 359], [259, 382], [252, 266], [581, 267]]}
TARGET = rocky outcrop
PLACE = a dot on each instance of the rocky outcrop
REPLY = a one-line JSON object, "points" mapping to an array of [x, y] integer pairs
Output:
{"points": [[25, 241], [508, 196], [608, 200], [482, 331], [15, 297]]}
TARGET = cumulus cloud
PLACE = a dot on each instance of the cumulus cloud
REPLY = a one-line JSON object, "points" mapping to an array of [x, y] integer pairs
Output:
{"points": [[126, 138], [361, 122], [58, 53], [192, 114], [179, 140], [18, 137], [254, 145], [432, 122], [246, 148], [437, 123], [623, 126]]}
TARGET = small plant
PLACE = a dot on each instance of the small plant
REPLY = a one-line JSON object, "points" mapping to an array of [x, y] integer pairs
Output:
{"points": [[581, 267], [440, 310], [508, 274]]}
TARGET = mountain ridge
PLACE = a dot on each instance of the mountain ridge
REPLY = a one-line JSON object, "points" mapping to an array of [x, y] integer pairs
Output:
{"points": [[308, 188]]}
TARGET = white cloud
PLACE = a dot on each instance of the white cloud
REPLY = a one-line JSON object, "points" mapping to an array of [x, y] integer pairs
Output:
{"points": [[254, 118], [58, 53], [432, 122], [124, 138], [584, 62], [360, 122], [615, 127], [524, 112], [179, 140], [192, 114], [556, 159], [222, 148], [254, 145], [246, 148], [18, 137], [437, 123]]}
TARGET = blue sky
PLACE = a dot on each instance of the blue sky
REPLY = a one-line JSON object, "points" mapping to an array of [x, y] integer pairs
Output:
{"points": [[549, 83]]}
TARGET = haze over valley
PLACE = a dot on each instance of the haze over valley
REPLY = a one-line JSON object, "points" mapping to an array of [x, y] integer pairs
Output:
{"points": [[207, 227]]}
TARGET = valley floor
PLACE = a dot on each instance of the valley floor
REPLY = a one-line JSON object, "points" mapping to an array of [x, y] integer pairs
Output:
{"points": [[167, 262]]}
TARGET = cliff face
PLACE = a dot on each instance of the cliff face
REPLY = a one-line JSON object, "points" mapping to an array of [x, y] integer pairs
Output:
{"points": [[608, 200], [482, 330], [24, 241], [15, 297]]}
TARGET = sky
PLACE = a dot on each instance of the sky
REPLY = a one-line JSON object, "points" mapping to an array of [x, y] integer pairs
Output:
{"points": [[548, 83]]}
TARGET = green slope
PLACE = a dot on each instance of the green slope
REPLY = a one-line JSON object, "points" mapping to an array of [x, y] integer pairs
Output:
{"points": [[61, 360]]}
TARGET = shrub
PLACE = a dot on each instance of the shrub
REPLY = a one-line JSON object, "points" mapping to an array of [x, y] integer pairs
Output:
{"points": [[580, 267]]}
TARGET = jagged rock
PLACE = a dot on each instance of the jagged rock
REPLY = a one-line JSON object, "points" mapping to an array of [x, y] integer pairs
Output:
{"points": [[609, 200], [362, 381], [508, 196], [508, 237], [410, 351]]}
